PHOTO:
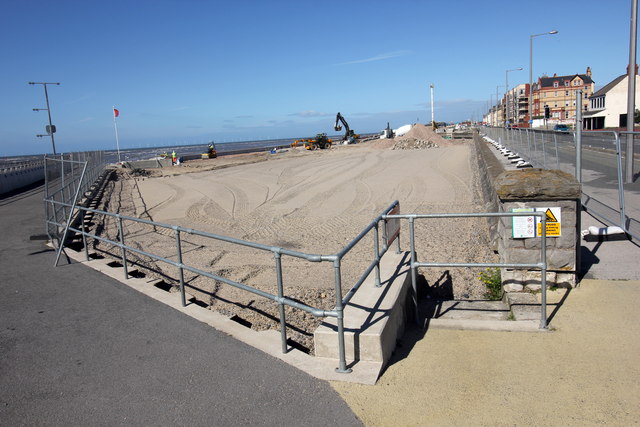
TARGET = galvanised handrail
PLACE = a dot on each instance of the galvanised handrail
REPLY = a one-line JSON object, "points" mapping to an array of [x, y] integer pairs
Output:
{"points": [[542, 265], [278, 252]]}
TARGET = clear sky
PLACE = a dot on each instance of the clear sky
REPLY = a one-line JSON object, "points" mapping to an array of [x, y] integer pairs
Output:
{"points": [[189, 71]]}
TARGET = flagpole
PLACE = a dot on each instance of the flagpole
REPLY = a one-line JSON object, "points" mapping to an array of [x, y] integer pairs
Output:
{"points": [[115, 126]]}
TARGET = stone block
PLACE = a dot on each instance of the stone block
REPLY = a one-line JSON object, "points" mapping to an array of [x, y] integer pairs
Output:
{"points": [[537, 184], [561, 259], [512, 287], [568, 239], [510, 243]]}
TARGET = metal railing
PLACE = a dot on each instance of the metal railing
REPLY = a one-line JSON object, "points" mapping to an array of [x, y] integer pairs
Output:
{"points": [[381, 244], [541, 265], [598, 166], [67, 176]]}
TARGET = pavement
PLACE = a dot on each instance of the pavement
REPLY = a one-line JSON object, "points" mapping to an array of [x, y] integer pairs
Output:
{"points": [[79, 348]]}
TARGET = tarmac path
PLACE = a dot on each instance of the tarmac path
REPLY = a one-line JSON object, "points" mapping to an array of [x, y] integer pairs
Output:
{"points": [[79, 348]]}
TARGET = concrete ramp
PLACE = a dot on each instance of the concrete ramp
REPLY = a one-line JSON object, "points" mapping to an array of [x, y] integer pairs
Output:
{"points": [[375, 318]]}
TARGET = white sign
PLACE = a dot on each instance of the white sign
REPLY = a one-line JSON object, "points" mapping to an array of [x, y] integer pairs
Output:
{"points": [[523, 226]]}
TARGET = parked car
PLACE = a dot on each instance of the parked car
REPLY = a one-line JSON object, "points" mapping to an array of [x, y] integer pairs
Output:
{"points": [[561, 128]]}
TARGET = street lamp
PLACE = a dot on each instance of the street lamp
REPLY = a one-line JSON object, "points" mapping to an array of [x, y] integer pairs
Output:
{"points": [[51, 129], [506, 111], [433, 122], [531, 68]]}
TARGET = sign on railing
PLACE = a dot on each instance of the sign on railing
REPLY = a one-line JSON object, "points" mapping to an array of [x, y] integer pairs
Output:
{"points": [[392, 225]]}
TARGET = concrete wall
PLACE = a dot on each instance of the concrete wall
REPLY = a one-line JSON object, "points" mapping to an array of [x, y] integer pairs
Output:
{"points": [[20, 176]]}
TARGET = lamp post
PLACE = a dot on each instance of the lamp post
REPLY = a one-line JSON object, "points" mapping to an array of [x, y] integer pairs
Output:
{"points": [[631, 90], [433, 122], [506, 111], [531, 68], [51, 129]]}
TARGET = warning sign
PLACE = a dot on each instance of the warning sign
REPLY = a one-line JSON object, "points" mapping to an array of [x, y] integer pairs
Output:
{"points": [[554, 221]]}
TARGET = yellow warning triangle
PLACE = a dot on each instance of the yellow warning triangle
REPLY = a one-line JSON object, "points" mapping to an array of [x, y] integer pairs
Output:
{"points": [[550, 216]]}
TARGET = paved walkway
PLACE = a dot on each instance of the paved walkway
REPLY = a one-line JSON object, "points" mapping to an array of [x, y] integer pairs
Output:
{"points": [[79, 348]]}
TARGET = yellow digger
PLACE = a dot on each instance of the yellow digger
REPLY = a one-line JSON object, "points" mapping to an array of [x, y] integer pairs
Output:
{"points": [[319, 142]]}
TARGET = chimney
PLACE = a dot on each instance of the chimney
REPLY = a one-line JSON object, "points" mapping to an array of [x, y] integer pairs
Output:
{"points": [[555, 75], [589, 71]]}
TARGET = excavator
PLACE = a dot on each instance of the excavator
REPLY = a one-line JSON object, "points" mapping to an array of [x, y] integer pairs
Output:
{"points": [[349, 135]]}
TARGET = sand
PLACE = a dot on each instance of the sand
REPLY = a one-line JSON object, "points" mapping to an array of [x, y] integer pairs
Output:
{"points": [[314, 202]]}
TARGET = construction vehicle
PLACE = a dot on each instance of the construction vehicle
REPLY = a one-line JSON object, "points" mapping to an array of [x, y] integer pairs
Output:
{"points": [[320, 141], [387, 133], [349, 135], [211, 153]]}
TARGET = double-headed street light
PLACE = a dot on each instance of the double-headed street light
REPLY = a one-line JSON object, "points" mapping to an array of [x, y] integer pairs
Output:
{"points": [[531, 68], [51, 129], [506, 111]]}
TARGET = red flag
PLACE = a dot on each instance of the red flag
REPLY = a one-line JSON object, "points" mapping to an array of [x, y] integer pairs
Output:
{"points": [[116, 113]]}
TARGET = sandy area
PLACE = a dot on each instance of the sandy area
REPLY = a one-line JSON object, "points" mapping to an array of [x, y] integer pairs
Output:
{"points": [[310, 201], [583, 373]]}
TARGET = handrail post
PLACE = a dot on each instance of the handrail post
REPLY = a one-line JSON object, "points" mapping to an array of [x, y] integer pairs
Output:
{"points": [[543, 280], [283, 321], [183, 297], [376, 254], [555, 140], [414, 284], [623, 218], [84, 235], [122, 247], [342, 368]]}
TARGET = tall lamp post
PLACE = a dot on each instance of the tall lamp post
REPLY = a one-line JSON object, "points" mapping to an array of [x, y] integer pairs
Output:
{"points": [[506, 111], [51, 129], [433, 122], [531, 68], [631, 88]]}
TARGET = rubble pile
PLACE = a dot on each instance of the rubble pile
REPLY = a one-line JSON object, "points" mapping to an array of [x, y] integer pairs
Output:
{"points": [[413, 144]]}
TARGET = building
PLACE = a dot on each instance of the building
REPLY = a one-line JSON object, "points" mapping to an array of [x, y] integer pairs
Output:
{"points": [[608, 106], [558, 93]]}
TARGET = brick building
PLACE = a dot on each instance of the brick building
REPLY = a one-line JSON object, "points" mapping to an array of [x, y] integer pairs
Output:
{"points": [[559, 94]]}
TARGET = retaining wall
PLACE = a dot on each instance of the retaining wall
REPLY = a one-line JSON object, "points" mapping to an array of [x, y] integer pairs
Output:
{"points": [[20, 176]]}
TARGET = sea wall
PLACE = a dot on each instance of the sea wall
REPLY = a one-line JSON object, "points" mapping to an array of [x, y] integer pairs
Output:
{"points": [[15, 177]]}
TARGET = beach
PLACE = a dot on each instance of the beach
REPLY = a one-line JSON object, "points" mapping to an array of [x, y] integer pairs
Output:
{"points": [[309, 201]]}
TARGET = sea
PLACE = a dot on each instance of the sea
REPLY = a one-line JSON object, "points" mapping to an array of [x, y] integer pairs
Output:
{"points": [[133, 154]]}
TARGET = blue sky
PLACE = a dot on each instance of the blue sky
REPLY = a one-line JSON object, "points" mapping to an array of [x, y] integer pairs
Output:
{"points": [[188, 71]]}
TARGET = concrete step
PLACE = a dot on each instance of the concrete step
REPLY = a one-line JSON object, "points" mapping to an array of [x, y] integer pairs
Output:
{"points": [[375, 318]]}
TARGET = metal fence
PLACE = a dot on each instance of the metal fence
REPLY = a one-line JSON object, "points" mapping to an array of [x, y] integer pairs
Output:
{"points": [[600, 166], [67, 178], [381, 243]]}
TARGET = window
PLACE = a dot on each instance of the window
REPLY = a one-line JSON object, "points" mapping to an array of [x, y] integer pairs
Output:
{"points": [[566, 93], [566, 83], [555, 93], [555, 105], [555, 84]]}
